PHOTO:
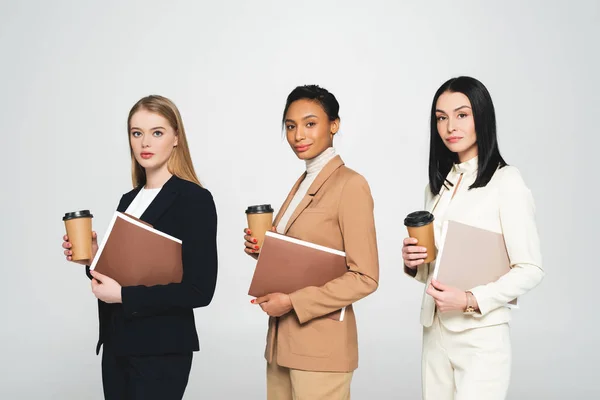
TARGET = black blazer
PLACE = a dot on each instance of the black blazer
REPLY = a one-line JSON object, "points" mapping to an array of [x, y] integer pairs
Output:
{"points": [[160, 319]]}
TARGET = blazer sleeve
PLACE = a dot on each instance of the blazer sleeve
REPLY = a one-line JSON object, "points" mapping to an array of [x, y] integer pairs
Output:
{"points": [[199, 254], [517, 217], [357, 226]]}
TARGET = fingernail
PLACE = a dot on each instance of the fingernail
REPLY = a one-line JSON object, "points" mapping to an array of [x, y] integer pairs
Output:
{"points": [[254, 241], [256, 247], [249, 232], [252, 301]]}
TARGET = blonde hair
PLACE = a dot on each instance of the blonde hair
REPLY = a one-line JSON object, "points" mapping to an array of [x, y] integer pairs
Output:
{"points": [[180, 163]]}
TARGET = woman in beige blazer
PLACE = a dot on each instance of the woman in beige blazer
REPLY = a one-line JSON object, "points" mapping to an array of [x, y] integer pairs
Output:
{"points": [[311, 354], [466, 341]]}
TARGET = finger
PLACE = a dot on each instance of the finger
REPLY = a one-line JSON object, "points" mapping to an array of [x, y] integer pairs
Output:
{"points": [[99, 277], [247, 231], [65, 238], [433, 292], [94, 235], [260, 300], [410, 241], [249, 251], [250, 239], [69, 258], [416, 256], [251, 245], [68, 253], [264, 307], [415, 249], [273, 229], [413, 263], [438, 285]]}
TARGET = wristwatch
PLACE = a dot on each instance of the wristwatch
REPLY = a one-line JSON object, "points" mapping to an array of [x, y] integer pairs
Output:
{"points": [[470, 309]]}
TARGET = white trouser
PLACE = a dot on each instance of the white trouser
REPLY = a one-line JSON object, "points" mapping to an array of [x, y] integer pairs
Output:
{"points": [[469, 365]]}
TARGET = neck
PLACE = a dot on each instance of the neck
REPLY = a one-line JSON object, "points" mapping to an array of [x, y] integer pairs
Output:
{"points": [[468, 154], [156, 178], [314, 165]]}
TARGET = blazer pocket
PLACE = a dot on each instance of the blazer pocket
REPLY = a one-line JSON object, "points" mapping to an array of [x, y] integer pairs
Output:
{"points": [[315, 210], [312, 339]]}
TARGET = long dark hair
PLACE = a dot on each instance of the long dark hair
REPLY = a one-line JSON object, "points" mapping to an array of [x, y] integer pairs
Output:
{"points": [[489, 159], [315, 93]]}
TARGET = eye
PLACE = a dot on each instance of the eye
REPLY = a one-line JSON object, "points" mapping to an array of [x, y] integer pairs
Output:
{"points": [[289, 127], [311, 124], [462, 115], [157, 133], [441, 118], [136, 134]]}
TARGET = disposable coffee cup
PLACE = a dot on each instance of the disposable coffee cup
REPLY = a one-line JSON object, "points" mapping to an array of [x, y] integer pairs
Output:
{"points": [[420, 226], [260, 220], [79, 231]]}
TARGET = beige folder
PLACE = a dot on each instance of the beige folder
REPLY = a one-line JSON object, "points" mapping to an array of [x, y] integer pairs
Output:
{"points": [[286, 264], [470, 256], [134, 253]]}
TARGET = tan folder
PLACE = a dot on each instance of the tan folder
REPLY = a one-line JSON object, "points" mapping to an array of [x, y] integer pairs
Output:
{"points": [[287, 264], [134, 253], [470, 256]]}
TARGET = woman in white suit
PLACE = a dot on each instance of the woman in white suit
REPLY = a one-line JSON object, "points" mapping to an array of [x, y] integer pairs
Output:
{"points": [[466, 340]]}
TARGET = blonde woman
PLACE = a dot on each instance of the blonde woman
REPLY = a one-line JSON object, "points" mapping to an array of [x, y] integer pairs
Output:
{"points": [[149, 333]]}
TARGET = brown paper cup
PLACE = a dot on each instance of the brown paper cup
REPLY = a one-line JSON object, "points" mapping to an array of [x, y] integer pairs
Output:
{"points": [[79, 230], [420, 226], [260, 220]]}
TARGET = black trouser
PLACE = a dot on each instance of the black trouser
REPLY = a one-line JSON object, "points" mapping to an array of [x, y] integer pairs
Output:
{"points": [[163, 377]]}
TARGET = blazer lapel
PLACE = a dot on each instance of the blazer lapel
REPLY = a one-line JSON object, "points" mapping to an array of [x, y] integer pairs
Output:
{"points": [[162, 201], [127, 199], [325, 173], [288, 200]]}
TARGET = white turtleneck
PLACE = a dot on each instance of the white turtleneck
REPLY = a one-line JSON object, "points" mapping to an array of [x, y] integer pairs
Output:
{"points": [[313, 167]]}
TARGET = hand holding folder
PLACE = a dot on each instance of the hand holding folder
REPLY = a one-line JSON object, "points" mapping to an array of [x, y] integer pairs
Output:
{"points": [[470, 257], [286, 264], [134, 253]]}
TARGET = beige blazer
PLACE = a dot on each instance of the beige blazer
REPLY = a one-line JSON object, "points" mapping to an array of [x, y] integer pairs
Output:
{"points": [[337, 212]]}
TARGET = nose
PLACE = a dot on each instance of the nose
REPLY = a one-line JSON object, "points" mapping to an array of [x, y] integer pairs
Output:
{"points": [[146, 141], [450, 125], [300, 134]]}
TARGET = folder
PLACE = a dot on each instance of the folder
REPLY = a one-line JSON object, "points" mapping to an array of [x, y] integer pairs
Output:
{"points": [[286, 264], [134, 253], [469, 256]]}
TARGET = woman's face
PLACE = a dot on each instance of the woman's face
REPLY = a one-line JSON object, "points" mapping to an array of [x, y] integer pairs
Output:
{"points": [[455, 124], [152, 139], [308, 128]]}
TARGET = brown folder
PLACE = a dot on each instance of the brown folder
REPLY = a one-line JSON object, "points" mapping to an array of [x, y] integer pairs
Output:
{"points": [[470, 256], [134, 253], [287, 264]]}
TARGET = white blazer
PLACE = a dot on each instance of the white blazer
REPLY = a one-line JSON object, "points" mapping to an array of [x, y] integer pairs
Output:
{"points": [[505, 205]]}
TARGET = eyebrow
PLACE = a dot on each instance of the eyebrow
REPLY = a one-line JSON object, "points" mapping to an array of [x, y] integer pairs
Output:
{"points": [[456, 109], [139, 129], [304, 118]]}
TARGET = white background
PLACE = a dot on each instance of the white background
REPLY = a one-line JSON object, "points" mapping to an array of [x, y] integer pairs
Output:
{"points": [[71, 70]]}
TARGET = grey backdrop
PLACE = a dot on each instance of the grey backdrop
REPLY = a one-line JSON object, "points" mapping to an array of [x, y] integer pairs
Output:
{"points": [[70, 71]]}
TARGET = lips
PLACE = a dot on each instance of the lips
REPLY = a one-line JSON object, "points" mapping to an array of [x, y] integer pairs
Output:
{"points": [[453, 139], [303, 148], [146, 156]]}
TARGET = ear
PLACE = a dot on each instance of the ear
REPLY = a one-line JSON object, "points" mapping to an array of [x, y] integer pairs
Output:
{"points": [[334, 126], [176, 141]]}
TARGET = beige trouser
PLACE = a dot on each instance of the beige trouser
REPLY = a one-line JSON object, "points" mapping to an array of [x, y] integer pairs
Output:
{"points": [[293, 384], [469, 365]]}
